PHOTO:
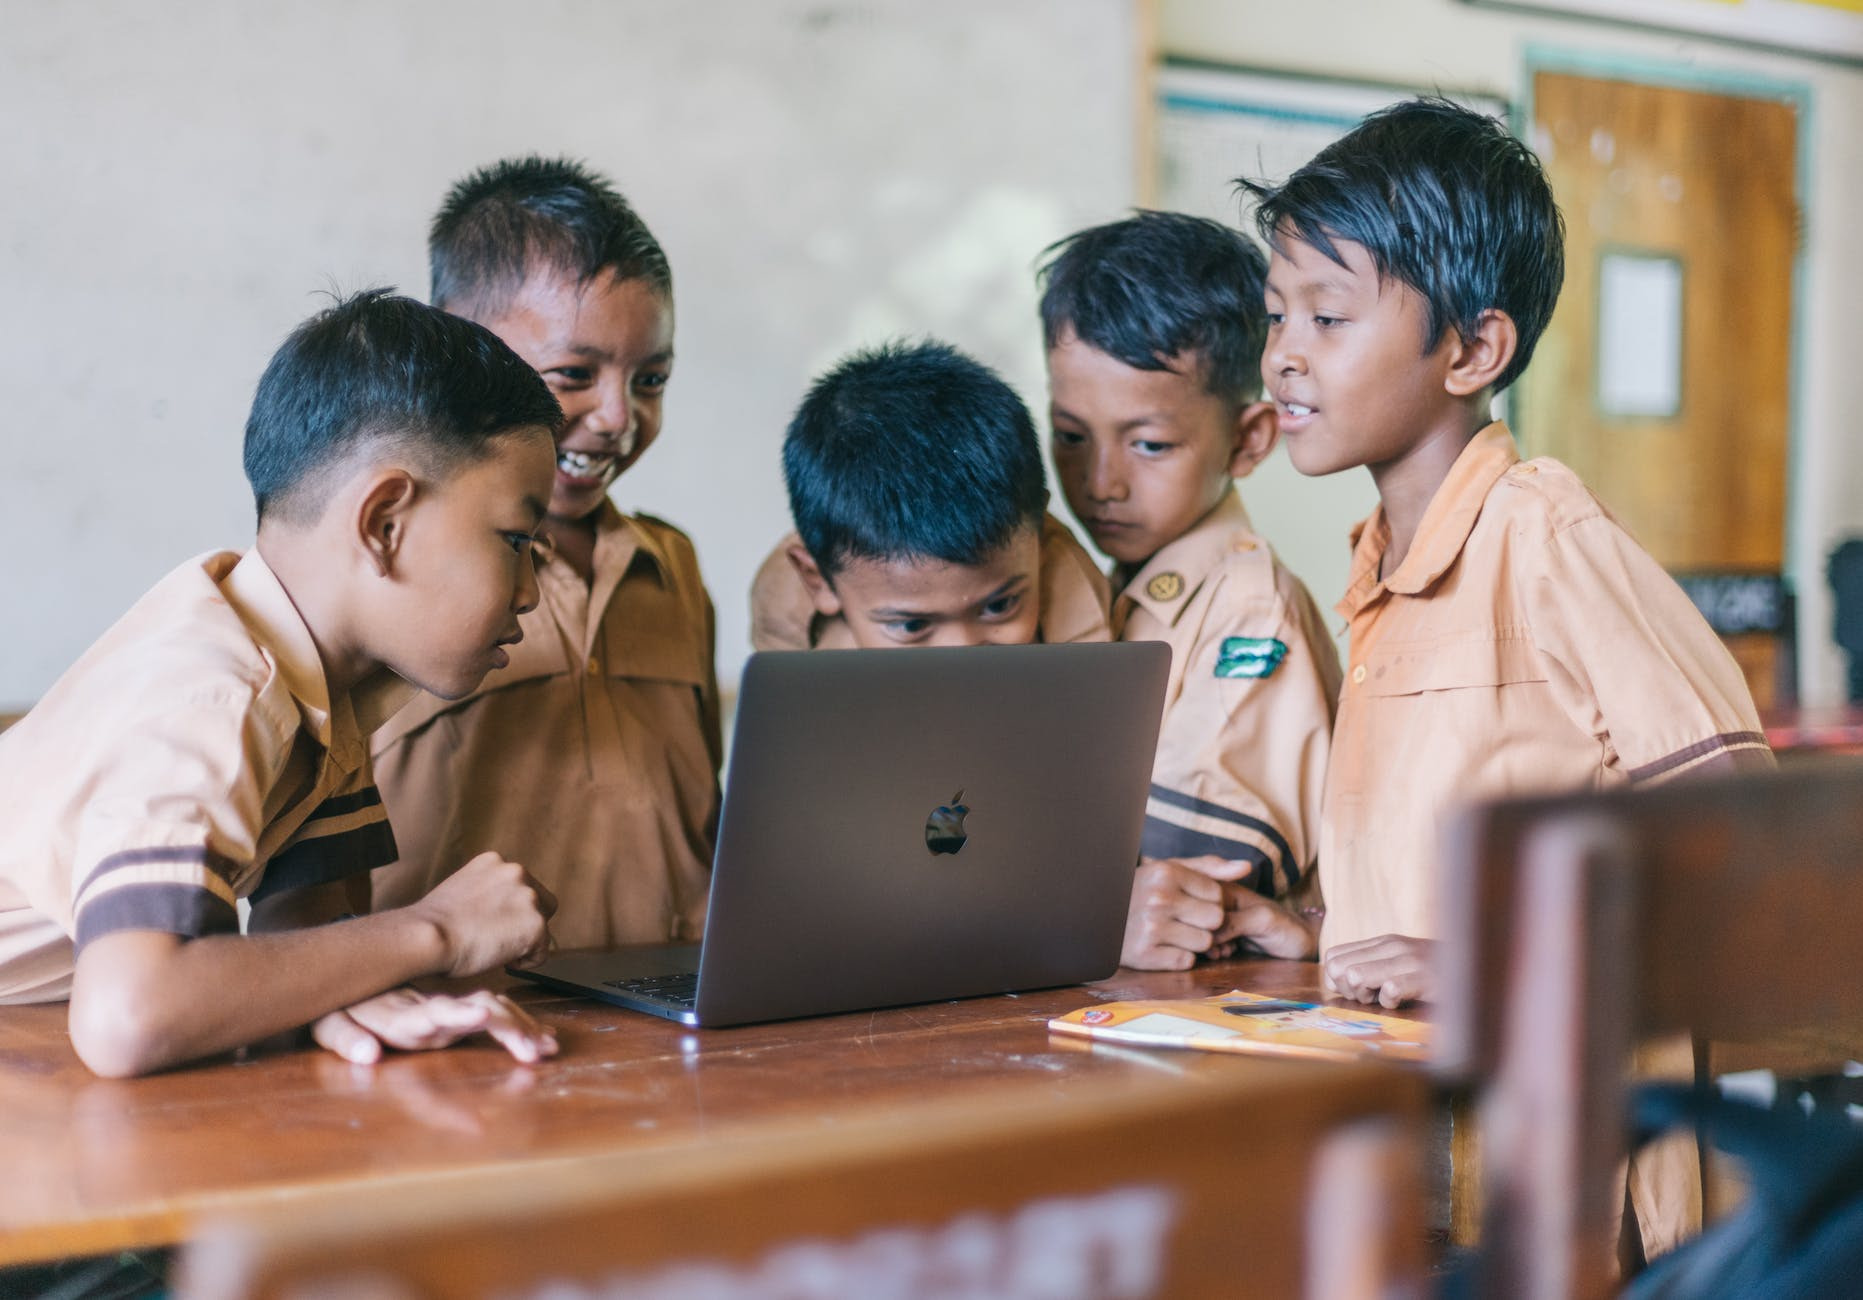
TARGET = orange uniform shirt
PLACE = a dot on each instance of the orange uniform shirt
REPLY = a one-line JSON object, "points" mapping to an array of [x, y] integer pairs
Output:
{"points": [[591, 758], [192, 757], [1526, 643], [1248, 711], [1074, 599]]}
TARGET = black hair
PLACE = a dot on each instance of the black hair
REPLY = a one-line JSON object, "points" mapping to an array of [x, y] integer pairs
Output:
{"points": [[911, 451], [1159, 286], [504, 222], [1443, 199], [380, 368]]}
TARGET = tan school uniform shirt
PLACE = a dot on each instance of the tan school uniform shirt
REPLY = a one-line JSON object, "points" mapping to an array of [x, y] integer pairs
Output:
{"points": [[1526, 643], [192, 757], [591, 758], [1248, 712], [1074, 599]]}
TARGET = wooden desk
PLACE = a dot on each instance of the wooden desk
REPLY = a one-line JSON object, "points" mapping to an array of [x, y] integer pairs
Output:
{"points": [[96, 1165]]}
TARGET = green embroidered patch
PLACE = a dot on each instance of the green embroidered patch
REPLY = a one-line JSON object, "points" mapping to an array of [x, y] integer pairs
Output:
{"points": [[1250, 656]]}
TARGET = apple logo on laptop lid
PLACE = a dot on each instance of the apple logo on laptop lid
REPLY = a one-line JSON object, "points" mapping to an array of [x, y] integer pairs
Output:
{"points": [[944, 829]]}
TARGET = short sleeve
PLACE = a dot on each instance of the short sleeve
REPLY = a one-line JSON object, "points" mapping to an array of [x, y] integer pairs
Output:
{"points": [[170, 822], [347, 834], [781, 613], [1242, 751], [1629, 658], [1076, 601]]}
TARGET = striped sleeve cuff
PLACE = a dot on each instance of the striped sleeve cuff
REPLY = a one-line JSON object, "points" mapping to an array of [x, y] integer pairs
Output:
{"points": [[1182, 825], [347, 835], [1700, 752], [180, 889]]}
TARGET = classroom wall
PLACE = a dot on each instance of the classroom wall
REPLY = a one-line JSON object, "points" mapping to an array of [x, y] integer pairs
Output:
{"points": [[184, 178], [1456, 46]]}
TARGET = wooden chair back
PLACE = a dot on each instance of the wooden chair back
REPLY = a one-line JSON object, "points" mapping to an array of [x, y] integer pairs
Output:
{"points": [[1295, 1177], [1575, 927]]}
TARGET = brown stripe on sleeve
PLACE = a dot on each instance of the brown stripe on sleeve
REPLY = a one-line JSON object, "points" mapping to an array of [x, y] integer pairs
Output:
{"points": [[186, 910], [199, 854], [1699, 750], [1163, 839], [338, 805], [322, 858]]}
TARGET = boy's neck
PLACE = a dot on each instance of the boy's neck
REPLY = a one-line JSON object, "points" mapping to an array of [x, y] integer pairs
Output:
{"points": [[1408, 484], [305, 574], [573, 542]]}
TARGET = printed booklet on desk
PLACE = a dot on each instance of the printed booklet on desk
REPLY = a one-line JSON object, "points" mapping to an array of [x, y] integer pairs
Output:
{"points": [[1252, 1022]]}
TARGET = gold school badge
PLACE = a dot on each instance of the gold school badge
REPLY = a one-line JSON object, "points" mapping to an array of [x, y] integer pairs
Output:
{"points": [[1166, 586]]}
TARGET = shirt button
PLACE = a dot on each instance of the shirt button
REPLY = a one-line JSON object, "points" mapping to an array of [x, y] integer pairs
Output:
{"points": [[595, 666], [1358, 674]]}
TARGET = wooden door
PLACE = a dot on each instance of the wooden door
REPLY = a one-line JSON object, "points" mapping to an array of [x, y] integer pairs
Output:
{"points": [[1694, 193]]}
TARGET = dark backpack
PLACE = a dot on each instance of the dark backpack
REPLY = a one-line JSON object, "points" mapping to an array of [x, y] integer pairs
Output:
{"points": [[1799, 1234]]}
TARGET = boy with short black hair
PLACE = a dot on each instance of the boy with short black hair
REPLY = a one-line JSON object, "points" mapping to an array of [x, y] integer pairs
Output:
{"points": [[1154, 332], [607, 715], [212, 745], [916, 485], [1507, 634]]}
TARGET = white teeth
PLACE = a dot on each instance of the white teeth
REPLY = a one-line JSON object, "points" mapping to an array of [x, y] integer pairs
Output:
{"points": [[1295, 408], [580, 464]]}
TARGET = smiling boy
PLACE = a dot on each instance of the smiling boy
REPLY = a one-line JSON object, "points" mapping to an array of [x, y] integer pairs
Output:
{"points": [[593, 755], [1154, 335], [1507, 634], [212, 746], [916, 485]]}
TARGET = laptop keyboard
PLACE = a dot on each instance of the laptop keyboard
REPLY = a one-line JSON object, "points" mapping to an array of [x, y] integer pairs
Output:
{"points": [[681, 990]]}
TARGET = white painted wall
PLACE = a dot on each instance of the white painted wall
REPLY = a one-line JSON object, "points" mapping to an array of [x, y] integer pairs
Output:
{"points": [[1455, 46], [183, 176]]}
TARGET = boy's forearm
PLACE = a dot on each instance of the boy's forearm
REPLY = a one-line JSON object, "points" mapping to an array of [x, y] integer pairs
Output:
{"points": [[143, 1001]]}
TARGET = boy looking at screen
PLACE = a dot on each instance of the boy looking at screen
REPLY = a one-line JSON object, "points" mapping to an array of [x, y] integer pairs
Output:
{"points": [[211, 747]]}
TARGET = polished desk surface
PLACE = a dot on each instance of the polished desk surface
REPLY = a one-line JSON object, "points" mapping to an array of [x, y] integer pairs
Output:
{"points": [[90, 1165]]}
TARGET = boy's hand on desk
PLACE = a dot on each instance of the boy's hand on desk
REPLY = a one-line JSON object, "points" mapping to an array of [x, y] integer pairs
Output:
{"points": [[488, 913], [413, 1021], [1390, 970], [1177, 907], [1265, 924]]}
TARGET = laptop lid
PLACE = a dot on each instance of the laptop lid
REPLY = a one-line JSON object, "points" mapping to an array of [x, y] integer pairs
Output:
{"points": [[918, 824]]}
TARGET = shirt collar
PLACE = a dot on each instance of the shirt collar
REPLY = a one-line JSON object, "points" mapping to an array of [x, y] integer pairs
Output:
{"points": [[340, 725], [619, 540], [1447, 522], [1163, 588]]}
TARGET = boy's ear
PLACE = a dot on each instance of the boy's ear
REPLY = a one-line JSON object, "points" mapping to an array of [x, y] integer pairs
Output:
{"points": [[827, 604], [1256, 433], [381, 516], [1477, 362]]}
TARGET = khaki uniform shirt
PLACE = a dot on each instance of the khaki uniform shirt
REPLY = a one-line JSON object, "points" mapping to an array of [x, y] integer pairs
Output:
{"points": [[1248, 706], [1526, 643], [591, 758], [1074, 599], [192, 757]]}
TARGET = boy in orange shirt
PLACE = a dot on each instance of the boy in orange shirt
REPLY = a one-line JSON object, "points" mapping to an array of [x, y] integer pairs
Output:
{"points": [[1154, 334], [916, 485], [593, 755], [1507, 634], [212, 746]]}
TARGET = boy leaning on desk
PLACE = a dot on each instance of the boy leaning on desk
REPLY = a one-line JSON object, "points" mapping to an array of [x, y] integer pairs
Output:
{"points": [[212, 746]]}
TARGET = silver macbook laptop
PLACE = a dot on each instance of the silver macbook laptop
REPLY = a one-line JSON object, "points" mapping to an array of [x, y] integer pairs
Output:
{"points": [[908, 826]]}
